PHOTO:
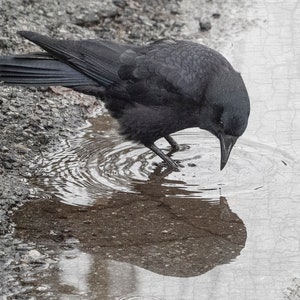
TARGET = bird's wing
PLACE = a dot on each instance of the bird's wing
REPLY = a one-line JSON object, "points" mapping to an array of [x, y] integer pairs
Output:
{"points": [[160, 73], [169, 71], [96, 59]]}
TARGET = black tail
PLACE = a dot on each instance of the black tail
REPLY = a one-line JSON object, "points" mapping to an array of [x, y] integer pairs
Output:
{"points": [[87, 66], [39, 69], [97, 59]]}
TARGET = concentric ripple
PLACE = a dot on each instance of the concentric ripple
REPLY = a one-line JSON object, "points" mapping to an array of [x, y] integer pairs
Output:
{"points": [[97, 163]]}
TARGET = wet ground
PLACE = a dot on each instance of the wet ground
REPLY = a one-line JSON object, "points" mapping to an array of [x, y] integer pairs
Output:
{"points": [[106, 221]]}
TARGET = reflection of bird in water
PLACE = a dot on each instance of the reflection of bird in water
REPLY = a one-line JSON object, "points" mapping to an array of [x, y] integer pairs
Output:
{"points": [[158, 228], [153, 91], [225, 212]]}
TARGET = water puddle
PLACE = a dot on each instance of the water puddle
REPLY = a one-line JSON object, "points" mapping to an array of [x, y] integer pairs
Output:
{"points": [[98, 163], [106, 251], [121, 227]]}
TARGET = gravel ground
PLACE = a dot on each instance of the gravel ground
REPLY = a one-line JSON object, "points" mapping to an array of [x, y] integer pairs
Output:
{"points": [[33, 121]]}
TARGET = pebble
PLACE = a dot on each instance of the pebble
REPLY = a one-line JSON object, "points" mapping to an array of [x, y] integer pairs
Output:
{"points": [[174, 9], [23, 247], [119, 3], [42, 288], [192, 165], [7, 165], [34, 254], [146, 20], [72, 241], [108, 11], [216, 15], [4, 149], [205, 25], [70, 256], [21, 149], [87, 19]]}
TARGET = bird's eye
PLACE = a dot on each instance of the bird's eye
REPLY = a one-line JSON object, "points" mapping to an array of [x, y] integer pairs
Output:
{"points": [[218, 114]]}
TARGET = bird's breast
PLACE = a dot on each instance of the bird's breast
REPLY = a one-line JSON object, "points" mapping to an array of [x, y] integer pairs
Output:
{"points": [[146, 124]]}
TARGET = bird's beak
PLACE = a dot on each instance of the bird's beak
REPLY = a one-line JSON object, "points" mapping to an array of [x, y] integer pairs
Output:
{"points": [[226, 142]]}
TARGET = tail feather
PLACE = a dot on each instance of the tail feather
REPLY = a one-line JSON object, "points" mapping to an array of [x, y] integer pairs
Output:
{"points": [[97, 59], [39, 70]]}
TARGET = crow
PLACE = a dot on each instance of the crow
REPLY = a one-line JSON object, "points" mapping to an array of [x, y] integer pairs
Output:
{"points": [[152, 90]]}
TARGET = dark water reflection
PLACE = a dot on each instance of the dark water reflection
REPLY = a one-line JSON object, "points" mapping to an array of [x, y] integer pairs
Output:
{"points": [[130, 237]]}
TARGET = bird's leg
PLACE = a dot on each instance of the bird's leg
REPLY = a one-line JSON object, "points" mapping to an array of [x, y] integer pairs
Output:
{"points": [[172, 142], [171, 163]]}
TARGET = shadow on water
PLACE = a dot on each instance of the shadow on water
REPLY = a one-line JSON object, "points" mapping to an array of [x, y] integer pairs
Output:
{"points": [[113, 236]]}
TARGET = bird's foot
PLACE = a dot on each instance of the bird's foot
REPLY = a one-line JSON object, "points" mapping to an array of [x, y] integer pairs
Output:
{"points": [[175, 166], [166, 159]]}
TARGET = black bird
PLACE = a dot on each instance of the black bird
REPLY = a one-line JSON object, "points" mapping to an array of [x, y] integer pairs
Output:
{"points": [[152, 90]]}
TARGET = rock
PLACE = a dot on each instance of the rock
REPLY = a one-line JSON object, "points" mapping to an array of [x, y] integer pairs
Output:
{"points": [[42, 288], [8, 157], [12, 108], [216, 15], [174, 9], [205, 25], [3, 42], [108, 11], [4, 149], [192, 165], [119, 3], [34, 254], [87, 19], [146, 20], [71, 241], [21, 149]]}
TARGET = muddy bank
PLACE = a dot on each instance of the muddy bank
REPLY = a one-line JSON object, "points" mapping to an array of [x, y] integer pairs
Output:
{"points": [[33, 121]]}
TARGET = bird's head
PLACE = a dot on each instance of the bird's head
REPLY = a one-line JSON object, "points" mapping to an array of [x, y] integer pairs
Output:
{"points": [[226, 110]]}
